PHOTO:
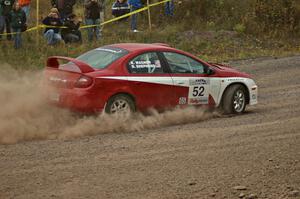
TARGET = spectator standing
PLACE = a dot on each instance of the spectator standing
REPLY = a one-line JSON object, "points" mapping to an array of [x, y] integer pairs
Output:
{"points": [[102, 10], [18, 21], [92, 17], [25, 5], [119, 8], [72, 34], [65, 7], [6, 7], [52, 33], [2, 20], [169, 8], [135, 5]]}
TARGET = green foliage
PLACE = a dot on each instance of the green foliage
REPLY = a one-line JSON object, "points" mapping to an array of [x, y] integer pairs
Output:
{"points": [[277, 15], [240, 28], [259, 17], [215, 30], [274, 17]]}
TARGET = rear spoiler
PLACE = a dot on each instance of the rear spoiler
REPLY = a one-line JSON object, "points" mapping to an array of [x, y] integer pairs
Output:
{"points": [[52, 62]]}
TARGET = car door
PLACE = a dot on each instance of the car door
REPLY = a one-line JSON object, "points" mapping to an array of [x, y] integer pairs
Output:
{"points": [[150, 82], [191, 83]]}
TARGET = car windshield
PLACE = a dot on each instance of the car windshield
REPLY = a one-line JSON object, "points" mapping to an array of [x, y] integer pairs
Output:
{"points": [[102, 57]]}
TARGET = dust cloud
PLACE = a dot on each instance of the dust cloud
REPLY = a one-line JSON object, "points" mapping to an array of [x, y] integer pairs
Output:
{"points": [[25, 115]]}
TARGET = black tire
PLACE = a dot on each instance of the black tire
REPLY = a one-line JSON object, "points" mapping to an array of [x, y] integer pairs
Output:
{"points": [[234, 99], [120, 103]]}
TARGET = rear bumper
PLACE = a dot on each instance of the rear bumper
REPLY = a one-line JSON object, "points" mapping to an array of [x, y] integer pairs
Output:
{"points": [[78, 100]]}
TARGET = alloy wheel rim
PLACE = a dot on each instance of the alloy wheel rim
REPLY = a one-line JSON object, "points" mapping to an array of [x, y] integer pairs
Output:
{"points": [[239, 101], [120, 106]]}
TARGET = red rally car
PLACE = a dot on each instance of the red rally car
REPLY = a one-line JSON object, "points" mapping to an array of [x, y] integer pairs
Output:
{"points": [[129, 77]]}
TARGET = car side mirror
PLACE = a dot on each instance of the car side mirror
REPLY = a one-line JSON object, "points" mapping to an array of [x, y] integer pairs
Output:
{"points": [[210, 71]]}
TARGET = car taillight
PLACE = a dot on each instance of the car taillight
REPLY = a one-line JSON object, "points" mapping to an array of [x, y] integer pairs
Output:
{"points": [[84, 82]]}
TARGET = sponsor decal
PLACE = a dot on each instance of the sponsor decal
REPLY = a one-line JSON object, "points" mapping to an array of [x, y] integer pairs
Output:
{"points": [[182, 100], [235, 79], [254, 97], [57, 80], [201, 100], [194, 82]]}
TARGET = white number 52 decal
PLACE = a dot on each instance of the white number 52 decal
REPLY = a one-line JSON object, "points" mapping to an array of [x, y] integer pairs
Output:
{"points": [[198, 91]]}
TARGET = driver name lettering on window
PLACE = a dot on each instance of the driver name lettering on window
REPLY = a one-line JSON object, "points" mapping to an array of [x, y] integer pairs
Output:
{"points": [[147, 63]]}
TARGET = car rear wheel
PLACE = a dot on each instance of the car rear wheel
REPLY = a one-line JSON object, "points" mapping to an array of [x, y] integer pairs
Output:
{"points": [[234, 100], [120, 104]]}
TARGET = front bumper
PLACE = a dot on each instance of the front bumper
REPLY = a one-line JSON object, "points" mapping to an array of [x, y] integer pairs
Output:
{"points": [[253, 95]]}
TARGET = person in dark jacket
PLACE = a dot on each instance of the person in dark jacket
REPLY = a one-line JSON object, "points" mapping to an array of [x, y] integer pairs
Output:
{"points": [[2, 20], [92, 17], [65, 7], [18, 21], [6, 7], [72, 34], [135, 5], [169, 8], [52, 33], [119, 8]]}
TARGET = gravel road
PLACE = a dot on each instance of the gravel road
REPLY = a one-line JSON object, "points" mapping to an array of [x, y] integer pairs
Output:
{"points": [[255, 155]]}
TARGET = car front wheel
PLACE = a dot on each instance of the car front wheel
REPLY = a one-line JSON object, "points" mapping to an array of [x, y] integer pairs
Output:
{"points": [[234, 99]]}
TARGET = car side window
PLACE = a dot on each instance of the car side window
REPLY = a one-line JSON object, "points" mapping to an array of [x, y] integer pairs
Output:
{"points": [[179, 63], [147, 63]]}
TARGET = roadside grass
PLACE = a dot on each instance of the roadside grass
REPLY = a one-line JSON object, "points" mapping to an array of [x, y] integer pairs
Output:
{"points": [[210, 45], [206, 39]]}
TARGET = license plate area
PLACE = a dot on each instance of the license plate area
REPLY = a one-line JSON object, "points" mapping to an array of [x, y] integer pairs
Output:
{"points": [[54, 97]]}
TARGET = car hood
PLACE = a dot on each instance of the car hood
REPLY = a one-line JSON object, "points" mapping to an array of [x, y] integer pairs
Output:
{"points": [[228, 71]]}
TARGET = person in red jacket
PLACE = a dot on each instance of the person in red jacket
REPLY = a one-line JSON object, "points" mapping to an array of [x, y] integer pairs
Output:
{"points": [[25, 5]]}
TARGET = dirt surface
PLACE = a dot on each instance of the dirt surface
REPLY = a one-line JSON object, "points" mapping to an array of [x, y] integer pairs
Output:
{"points": [[255, 155]]}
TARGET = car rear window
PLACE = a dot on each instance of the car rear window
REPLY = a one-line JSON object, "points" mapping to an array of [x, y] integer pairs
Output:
{"points": [[102, 57]]}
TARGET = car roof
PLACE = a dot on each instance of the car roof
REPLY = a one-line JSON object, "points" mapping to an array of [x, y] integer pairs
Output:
{"points": [[140, 46]]}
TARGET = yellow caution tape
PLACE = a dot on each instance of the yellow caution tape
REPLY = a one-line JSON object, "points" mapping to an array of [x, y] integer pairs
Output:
{"points": [[28, 30], [91, 26], [47, 26]]}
